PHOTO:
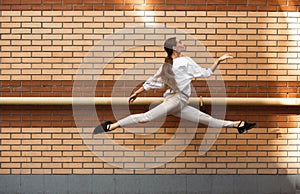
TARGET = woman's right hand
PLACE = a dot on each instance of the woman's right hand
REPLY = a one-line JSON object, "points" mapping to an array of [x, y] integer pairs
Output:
{"points": [[226, 56], [132, 98]]}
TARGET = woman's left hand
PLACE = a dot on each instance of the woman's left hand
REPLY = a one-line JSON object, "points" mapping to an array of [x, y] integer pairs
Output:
{"points": [[132, 98], [226, 56]]}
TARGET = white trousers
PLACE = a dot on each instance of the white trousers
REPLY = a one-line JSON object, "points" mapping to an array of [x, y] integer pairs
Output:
{"points": [[176, 104]]}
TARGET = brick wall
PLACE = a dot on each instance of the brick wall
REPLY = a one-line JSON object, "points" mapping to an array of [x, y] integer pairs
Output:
{"points": [[42, 50], [129, 5]]}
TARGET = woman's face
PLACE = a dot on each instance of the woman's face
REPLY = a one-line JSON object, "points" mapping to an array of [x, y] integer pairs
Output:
{"points": [[179, 47]]}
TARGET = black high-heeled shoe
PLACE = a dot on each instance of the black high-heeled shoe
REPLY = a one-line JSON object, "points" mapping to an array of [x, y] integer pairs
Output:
{"points": [[245, 127], [104, 127]]}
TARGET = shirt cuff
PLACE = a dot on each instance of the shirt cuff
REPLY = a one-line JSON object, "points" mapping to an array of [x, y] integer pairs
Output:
{"points": [[146, 87], [210, 71]]}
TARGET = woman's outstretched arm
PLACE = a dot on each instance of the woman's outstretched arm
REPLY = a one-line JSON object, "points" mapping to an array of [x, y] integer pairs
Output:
{"points": [[222, 58]]}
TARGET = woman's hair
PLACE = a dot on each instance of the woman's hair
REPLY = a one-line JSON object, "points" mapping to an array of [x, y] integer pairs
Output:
{"points": [[167, 74]]}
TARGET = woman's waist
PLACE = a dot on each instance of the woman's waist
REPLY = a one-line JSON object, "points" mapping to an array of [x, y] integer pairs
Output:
{"points": [[180, 94]]}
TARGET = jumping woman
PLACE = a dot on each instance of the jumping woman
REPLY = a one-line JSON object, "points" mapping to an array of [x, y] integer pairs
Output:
{"points": [[176, 75]]}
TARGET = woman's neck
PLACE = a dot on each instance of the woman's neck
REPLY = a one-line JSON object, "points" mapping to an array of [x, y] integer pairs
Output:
{"points": [[176, 55]]}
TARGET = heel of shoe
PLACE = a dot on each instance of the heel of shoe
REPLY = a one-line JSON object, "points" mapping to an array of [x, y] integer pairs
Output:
{"points": [[247, 126]]}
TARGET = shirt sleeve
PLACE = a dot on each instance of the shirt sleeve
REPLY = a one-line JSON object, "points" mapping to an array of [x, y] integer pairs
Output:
{"points": [[153, 82], [196, 71]]}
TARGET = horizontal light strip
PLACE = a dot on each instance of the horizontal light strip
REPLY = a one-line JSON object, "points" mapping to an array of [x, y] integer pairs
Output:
{"points": [[146, 101]]}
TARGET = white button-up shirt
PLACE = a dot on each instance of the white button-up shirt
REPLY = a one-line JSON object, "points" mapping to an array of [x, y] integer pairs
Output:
{"points": [[185, 69]]}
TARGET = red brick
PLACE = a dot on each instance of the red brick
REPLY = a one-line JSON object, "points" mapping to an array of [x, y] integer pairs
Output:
{"points": [[267, 8], [45, 2], [292, 2], [185, 7], [104, 8], [287, 90], [10, 2], [277, 2], [289, 8], [258, 84], [277, 95], [207, 8], [62, 7], [237, 2], [246, 8], [41, 8], [216, 2], [31, 83], [114, 2], [11, 83], [83, 8], [247, 90], [235, 84], [226, 8], [93, 2], [277, 84], [287, 124], [175, 2], [124, 7], [293, 84], [257, 2], [144, 8], [165, 8], [139, 2], [196, 2], [31, 2], [266, 90], [73, 2]]}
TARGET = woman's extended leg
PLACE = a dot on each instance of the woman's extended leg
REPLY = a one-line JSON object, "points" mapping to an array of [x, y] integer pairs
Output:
{"points": [[192, 114]]}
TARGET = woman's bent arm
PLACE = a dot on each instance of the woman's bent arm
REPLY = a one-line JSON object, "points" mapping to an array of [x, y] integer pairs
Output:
{"points": [[133, 96]]}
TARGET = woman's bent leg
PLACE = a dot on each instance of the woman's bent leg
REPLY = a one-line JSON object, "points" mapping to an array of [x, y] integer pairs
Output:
{"points": [[169, 105]]}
